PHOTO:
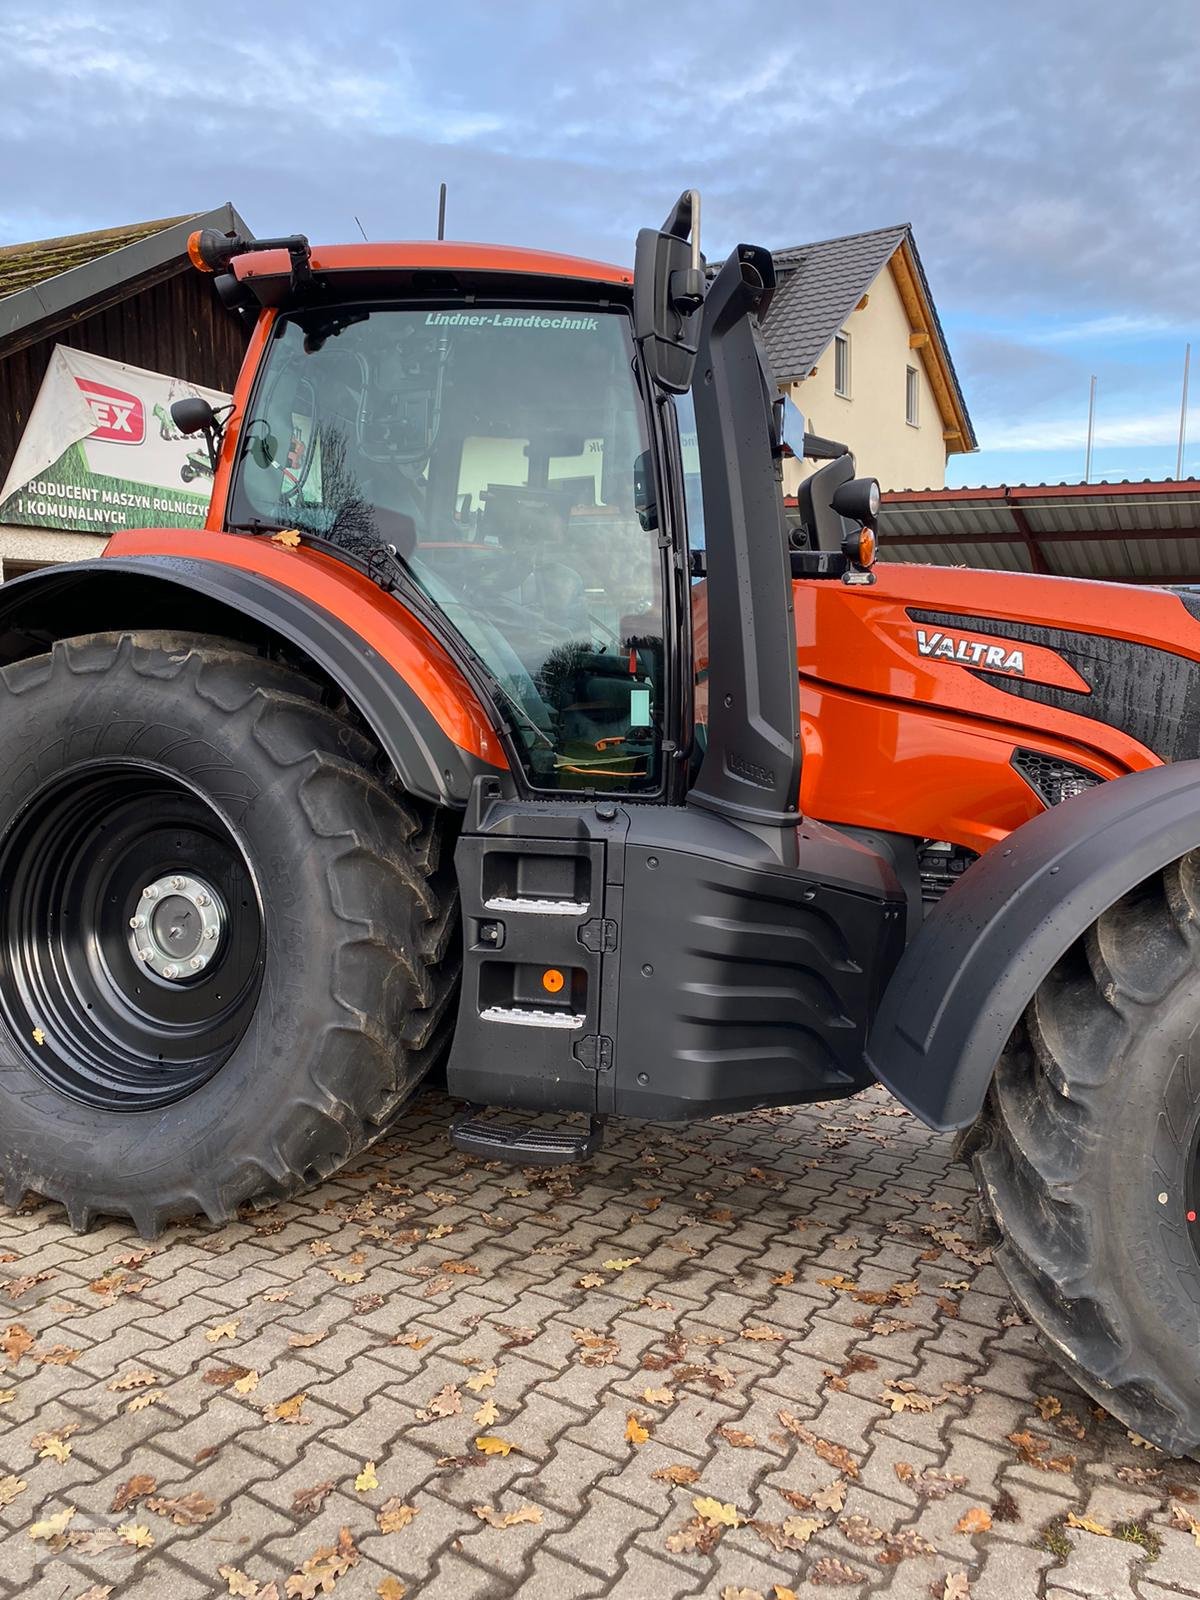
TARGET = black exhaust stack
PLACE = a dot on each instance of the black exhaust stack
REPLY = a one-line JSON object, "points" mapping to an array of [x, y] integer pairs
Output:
{"points": [[751, 768]]}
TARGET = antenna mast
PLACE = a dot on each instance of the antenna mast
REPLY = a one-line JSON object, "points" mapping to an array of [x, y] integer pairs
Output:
{"points": [[1187, 362], [441, 211]]}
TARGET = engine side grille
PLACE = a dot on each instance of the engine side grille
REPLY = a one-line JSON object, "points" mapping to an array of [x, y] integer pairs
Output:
{"points": [[1052, 779]]}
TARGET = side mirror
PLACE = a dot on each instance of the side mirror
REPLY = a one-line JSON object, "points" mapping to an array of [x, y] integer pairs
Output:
{"points": [[193, 415], [668, 293]]}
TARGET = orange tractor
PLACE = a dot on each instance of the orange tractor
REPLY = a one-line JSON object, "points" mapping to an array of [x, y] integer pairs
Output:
{"points": [[474, 731]]}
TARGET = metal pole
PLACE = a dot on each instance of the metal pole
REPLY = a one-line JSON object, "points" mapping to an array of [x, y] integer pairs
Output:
{"points": [[1187, 362], [442, 212], [1087, 461]]}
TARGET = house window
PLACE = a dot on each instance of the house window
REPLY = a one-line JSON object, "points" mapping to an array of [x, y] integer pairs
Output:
{"points": [[912, 397], [841, 365]]}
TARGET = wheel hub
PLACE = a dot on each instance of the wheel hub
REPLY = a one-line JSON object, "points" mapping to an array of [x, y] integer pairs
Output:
{"points": [[176, 930]]}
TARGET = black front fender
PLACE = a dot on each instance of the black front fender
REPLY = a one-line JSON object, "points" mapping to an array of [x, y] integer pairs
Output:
{"points": [[963, 982], [187, 594]]}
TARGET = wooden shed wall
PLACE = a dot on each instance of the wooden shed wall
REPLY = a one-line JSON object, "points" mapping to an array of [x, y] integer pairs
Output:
{"points": [[177, 326]]}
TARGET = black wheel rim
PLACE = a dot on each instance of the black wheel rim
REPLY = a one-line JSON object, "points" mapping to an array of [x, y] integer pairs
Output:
{"points": [[91, 1018]]}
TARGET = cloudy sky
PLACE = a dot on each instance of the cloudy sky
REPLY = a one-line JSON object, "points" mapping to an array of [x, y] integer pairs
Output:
{"points": [[1044, 151]]}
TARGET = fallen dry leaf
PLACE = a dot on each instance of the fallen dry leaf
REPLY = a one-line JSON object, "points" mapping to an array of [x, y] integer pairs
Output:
{"points": [[447, 1402], [635, 1431], [56, 1355], [307, 1502], [289, 538], [53, 1448], [735, 1437], [288, 1410], [239, 1584], [323, 1568], [366, 1479], [1180, 1518], [1033, 1448], [343, 1276], [185, 1510], [51, 1527], [761, 1331], [139, 1379], [835, 1454], [412, 1341], [591, 1280], [832, 1573], [507, 1519], [715, 1512], [676, 1473], [977, 1520], [10, 1487], [390, 1588], [15, 1341], [246, 1385], [132, 1491], [394, 1514], [483, 1380], [222, 1330], [621, 1263], [304, 1341], [489, 1444], [659, 1397], [1088, 1525], [151, 1397], [222, 1377], [95, 1591], [956, 1587]]}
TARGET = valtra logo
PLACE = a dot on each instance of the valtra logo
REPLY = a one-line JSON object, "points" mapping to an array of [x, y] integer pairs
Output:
{"points": [[971, 652], [120, 416]]}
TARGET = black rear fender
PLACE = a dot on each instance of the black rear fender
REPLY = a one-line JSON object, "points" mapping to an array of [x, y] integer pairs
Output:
{"points": [[964, 981], [180, 594]]}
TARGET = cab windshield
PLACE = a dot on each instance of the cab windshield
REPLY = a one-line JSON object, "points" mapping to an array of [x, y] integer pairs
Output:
{"points": [[495, 449]]}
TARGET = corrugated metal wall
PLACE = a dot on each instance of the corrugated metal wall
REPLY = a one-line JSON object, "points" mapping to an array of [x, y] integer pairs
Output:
{"points": [[178, 327]]}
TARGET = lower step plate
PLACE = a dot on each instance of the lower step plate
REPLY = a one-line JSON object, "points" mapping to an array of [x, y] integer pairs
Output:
{"points": [[493, 1139]]}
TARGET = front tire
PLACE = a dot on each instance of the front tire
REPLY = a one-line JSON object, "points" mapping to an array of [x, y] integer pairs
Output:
{"points": [[1087, 1159], [160, 791]]}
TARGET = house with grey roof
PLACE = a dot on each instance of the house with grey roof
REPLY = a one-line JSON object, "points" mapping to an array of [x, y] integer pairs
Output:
{"points": [[855, 340]]}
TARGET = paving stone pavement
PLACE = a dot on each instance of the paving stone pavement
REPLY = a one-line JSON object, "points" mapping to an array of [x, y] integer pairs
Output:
{"points": [[784, 1315]]}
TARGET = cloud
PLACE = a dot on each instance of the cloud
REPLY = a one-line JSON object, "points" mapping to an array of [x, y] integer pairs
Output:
{"points": [[1043, 152]]}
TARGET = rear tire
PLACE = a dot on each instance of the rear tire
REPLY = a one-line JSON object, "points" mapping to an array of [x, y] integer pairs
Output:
{"points": [[1086, 1159], [159, 1093]]}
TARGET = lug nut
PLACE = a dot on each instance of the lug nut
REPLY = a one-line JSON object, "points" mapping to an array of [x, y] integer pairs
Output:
{"points": [[178, 883], [150, 893], [137, 922], [201, 899], [210, 933], [146, 955], [170, 971], [195, 963]]}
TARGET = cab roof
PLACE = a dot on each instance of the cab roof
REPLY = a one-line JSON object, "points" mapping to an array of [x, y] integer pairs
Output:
{"points": [[358, 268]]}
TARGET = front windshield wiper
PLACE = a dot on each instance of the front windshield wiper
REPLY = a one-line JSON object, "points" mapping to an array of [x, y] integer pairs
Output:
{"points": [[258, 525]]}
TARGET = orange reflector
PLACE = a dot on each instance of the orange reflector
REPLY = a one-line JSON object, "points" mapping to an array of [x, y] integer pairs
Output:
{"points": [[552, 980], [866, 547], [195, 254]]}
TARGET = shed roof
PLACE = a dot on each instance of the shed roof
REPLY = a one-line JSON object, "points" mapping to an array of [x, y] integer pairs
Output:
{"points": [[1145, 532], [50, 283]]}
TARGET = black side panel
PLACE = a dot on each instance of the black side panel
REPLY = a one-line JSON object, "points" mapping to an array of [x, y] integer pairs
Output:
{"points": [[175, 592], [1151, 694], [743, 982], [986, 946], [700, 975]]}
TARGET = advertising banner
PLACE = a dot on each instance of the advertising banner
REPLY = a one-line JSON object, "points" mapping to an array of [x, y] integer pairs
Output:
{"points": [[100, 452]]}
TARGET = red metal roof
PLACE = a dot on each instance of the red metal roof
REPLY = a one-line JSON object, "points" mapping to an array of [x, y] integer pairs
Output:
{"points": [[1124, 532]]}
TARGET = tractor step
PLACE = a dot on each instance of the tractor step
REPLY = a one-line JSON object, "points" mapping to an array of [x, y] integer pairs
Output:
{"points": [[493, 1139]]}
